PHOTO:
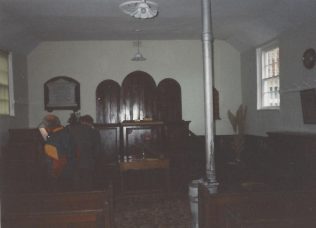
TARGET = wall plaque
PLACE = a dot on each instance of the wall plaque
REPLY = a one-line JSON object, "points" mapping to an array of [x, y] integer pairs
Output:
{"points": [[62, 93]]}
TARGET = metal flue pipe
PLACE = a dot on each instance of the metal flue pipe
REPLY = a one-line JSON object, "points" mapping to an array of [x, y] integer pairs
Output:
{"points": [[207, 41], [210, 182]]}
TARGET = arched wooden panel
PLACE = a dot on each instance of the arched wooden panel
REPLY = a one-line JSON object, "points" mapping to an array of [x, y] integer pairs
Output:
{"points": [[108, 102], [138, 97], [169, 104]]}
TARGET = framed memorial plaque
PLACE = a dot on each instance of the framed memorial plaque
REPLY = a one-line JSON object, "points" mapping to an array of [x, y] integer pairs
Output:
{"points": [[62, 93]]}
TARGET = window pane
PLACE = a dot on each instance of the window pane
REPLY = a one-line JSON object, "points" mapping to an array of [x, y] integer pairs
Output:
{"points": [[266, 100], [3, 62], [271, 92], [4, 84], [4, 78], [4, 92], [270, 78], [4, 107]]}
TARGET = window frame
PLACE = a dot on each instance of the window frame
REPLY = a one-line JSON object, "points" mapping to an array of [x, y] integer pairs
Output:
{"points": [[259, 57], [10, 85]]}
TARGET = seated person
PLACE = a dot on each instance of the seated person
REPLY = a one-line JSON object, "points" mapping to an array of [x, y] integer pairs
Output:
{"points": [[59, 153]]}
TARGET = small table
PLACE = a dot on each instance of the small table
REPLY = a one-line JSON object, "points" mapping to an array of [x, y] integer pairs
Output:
{"points": [[145, 164]]}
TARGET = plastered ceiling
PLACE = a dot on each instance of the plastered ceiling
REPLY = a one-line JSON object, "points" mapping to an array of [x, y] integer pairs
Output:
{"points": [[242, 23]]}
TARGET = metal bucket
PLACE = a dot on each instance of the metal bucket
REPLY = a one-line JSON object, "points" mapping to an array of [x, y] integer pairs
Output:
{"points": [[194, 205]]}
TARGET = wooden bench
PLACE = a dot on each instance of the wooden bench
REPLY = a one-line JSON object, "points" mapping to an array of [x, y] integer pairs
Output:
{"points": [[65, 209], [264, 209]]}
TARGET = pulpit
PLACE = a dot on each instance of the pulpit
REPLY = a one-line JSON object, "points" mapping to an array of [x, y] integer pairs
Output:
{"points": [[143, 165], [145, 138]]}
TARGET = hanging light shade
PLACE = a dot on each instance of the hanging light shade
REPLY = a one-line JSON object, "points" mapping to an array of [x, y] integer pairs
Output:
{"points": [[141, 9], [138, 56]]}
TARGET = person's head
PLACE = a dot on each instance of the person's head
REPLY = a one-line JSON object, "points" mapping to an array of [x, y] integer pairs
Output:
{"points": [[50, 122], [86, 119]]}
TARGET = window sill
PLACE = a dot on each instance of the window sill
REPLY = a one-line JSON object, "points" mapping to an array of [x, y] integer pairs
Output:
{"points": [[276, 108]]}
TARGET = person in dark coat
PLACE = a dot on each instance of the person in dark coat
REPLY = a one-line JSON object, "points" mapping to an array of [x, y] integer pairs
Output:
{"points": [[88, 145]]}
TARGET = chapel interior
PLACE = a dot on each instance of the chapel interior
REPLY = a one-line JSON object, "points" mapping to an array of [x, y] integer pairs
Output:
{"points": [[162, 162]]}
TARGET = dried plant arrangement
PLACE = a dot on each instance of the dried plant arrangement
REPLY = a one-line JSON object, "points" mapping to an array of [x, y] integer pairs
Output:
{"points": [[237, 121]]}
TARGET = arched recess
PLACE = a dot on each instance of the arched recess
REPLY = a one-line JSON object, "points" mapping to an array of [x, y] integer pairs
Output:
{"points": [[108, 102], [169, 104], [138, 97]]}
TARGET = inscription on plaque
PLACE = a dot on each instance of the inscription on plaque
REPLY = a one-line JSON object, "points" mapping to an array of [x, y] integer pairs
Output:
{"points": [[62, 93]]}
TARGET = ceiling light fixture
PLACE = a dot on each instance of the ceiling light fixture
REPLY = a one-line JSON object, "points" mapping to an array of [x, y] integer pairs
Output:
{"points": [[141, 9], [138, 56]]}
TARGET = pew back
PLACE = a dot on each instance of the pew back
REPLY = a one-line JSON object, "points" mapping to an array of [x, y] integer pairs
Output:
{"points": [[66, 209], [256, 206]]}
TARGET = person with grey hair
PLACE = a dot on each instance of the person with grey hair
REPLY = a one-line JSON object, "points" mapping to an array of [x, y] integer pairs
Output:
{"points": [[59, 152]]}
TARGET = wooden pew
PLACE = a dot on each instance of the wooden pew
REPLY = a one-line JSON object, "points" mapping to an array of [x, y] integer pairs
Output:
{"points": [[63, 209], [261, 209], [22, 164]]}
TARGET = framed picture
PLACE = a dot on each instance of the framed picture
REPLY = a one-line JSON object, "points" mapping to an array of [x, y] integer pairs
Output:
{"points": [[62, 93], [308, 102]]}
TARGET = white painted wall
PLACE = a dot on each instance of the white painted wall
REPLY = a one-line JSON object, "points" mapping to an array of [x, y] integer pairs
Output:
{"points": [[227, 82], [293, 78], [91, 62]]}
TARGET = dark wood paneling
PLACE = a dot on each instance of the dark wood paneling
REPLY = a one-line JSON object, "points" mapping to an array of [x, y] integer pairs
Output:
{"points": [[176, 132], [284, 160], [110, 139], [268, 208], [24, 135], [138, 97], [169, 104], [106, 164], [108, 102], [292, 157], [143, 137], [21, 165]]}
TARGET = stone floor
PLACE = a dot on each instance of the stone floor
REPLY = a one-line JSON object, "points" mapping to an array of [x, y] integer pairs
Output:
{"points": [[153, 211]]}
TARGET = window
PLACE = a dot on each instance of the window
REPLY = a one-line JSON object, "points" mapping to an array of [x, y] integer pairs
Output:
{"points": [[268, 77], [6, 84]]}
